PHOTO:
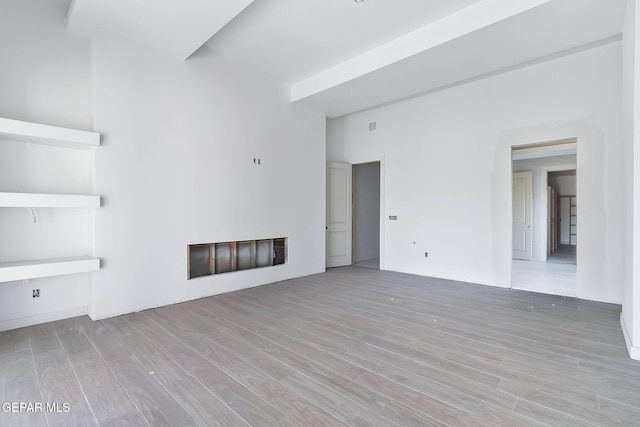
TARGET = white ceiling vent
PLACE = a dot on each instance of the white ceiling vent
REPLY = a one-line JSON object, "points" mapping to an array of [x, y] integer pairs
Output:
{"points": [[373, 126]]}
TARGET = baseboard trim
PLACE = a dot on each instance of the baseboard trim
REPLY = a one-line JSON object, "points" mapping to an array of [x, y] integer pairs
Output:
{"points": [[22, 322], [634, 352]]}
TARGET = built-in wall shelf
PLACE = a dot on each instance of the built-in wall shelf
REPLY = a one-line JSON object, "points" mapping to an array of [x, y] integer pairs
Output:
{"points": [[21, 270], [28, 132], [35, 200], [45, 167], [34, 133]]}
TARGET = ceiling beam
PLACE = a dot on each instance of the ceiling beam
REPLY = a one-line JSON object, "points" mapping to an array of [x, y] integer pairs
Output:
{"points": [[458, 24]]}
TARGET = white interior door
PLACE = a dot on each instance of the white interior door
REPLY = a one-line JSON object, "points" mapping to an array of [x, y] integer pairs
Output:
{"points": [[339, 195], [522, 215]]}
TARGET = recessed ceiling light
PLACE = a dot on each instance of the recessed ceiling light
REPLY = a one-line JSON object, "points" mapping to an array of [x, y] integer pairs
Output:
{"points": [[358, 1]]}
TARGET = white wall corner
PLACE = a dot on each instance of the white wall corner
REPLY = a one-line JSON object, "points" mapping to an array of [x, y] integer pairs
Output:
{"points": [[634, 351], [78, 26]]}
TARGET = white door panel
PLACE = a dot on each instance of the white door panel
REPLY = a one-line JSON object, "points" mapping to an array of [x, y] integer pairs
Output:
{"points": [[339, 194], [519, 241], [522, 215]]}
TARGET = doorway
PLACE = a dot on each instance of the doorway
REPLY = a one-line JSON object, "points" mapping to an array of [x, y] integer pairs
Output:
{"points": [[346, 229], [366, 215], [552, 266], [563, 214]]}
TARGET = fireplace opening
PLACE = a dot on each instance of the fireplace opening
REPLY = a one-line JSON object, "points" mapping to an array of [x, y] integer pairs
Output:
{"points": [[206, 259]]}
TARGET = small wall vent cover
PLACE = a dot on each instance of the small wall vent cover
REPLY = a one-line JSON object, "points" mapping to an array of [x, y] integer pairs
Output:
{"points": [[373, 126]]}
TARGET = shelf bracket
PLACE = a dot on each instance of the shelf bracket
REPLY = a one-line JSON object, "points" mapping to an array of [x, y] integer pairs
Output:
{"points": [[29, 143], [33, 215]]}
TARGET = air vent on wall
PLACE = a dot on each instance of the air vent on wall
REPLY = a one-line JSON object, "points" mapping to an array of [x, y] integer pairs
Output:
{"points": [[373, 126]]}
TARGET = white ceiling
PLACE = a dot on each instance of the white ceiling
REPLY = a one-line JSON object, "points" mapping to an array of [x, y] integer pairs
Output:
{"points": [[295, 39], [340, 56], [557, 27], [178, 27]]}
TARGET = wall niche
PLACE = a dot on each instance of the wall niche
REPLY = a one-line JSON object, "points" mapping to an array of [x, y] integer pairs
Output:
{"points": [[206, 259]]}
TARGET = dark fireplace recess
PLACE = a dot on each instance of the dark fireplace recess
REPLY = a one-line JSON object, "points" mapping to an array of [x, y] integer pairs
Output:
{"points": [[205, 259]]}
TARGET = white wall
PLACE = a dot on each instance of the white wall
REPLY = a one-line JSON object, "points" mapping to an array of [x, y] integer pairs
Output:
{"points": [[335, 139], [540, 167], [46, 74], [176, 167], [366, 212], [45, 78], [565, 185], [465, 134], [630, 317]]}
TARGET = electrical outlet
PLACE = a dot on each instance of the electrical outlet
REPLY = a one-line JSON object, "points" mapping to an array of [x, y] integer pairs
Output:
{"points": [[426, 254], [36, 293]]}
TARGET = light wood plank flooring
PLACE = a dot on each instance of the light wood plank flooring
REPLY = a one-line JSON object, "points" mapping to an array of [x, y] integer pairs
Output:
{"points": [[353, 346]]}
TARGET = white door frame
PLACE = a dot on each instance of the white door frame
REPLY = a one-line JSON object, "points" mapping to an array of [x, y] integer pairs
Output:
{"points": [[531, 140], [383, 221], [529, 137]]}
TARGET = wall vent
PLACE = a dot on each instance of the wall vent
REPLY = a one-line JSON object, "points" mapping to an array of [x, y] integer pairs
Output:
{"points": [[373, 126]]}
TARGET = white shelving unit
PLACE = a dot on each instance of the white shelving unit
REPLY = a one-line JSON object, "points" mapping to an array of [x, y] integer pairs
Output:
{"points": [[16, 130], [34, 200], [34, 133], [21, 270]]}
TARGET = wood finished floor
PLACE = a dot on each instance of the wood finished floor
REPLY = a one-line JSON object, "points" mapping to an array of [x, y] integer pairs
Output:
{"points": [[353, 346]]}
